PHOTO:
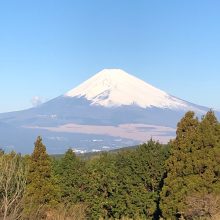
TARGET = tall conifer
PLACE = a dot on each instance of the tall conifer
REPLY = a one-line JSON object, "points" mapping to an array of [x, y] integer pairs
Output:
{"points": [[41, 191], [71, 172], [192, 168]]}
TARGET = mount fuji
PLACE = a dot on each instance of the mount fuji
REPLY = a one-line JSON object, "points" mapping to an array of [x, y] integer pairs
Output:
{"points": [[112, 109]]}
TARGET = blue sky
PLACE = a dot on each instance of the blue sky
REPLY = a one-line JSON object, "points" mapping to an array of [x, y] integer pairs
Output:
{"points": [[48, 46]]}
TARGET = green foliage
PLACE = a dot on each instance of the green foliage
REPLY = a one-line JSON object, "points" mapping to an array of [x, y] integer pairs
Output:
{"points": [[41, 191], [70, 171], [102, 183], [127, 183], [193, 166]]}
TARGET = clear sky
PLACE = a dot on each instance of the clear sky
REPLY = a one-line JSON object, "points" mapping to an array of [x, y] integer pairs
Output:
{"points": [[50, 46]]}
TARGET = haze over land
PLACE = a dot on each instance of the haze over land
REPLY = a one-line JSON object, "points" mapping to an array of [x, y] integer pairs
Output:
{"points": [[110, 110]]}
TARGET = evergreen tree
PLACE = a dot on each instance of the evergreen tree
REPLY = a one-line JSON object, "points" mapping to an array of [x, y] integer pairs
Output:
{"points": [[42, 191], [203, 196], [102, 183], [134, 198], [71, 174], [139, 177], [193, 167], [127, 184], [179, 165]]}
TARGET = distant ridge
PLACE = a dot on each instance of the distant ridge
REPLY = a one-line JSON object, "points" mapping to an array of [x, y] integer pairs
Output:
{"points": [[110, 110]]}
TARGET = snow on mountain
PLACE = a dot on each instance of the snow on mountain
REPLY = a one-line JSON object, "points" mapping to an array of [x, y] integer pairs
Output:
{"points": [[112, 106], [115, 87]]}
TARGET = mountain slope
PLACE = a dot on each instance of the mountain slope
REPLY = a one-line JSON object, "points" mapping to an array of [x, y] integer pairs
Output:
{"points": [[110, 110], [115, 87]]}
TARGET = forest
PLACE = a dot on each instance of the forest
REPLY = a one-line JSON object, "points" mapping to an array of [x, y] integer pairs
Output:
{"points": [[179, 180]]}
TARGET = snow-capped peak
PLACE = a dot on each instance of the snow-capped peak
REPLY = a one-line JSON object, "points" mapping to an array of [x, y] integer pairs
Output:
{"points": [[115, 87]]}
